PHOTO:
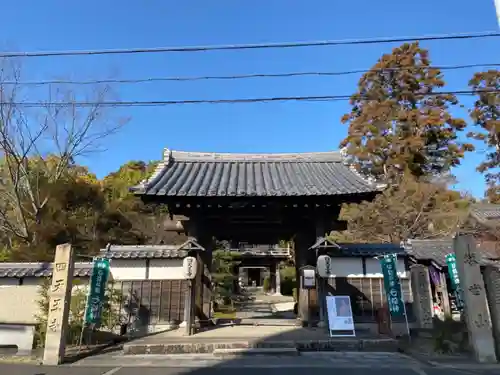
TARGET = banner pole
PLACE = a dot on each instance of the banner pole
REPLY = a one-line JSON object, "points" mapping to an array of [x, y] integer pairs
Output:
{"points": [[86, 306], [403, 300]]}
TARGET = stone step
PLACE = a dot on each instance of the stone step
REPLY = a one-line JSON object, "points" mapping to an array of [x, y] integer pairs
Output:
{"points": [[240, 352], [267, 322], [337, 345]]}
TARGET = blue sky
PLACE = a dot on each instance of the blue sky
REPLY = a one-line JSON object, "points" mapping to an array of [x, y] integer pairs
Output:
{"points": [[259, 127]]}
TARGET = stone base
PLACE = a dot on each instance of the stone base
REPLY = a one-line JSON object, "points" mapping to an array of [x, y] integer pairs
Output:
{"points": [[338, 345]]}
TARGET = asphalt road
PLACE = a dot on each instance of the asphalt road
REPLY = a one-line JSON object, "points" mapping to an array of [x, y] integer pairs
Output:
{"points": [[321, 364]]}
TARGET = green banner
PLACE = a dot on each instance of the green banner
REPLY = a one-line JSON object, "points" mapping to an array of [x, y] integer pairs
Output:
{"points": [[97, 291], [392, 285], [451, 262]]}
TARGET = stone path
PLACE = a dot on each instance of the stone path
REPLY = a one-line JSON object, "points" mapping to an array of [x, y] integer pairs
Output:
{"points": [[254, 310], [260, 306]]}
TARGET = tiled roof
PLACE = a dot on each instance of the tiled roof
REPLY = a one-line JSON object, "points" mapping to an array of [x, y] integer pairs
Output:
{"points": [[436, 251], [150, 251], [143, 252], [195, 174], [358, 249], [39, 269], [369, 249], [486, 213]]}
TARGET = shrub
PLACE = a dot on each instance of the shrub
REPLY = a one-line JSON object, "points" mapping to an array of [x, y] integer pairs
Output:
{"points": [[111, 316], [288, 281], [267, 284]]}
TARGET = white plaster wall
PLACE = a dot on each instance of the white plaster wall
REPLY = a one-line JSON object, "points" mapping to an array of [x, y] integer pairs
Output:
{"points": [[373, 268], [347, 267], [20, 335], [165, 269], [128, 269]]}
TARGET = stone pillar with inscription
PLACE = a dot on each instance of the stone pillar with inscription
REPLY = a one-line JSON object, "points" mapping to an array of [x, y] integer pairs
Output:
{"points": [[492, 281], [476, 309], [422, 298], [59, 303]]}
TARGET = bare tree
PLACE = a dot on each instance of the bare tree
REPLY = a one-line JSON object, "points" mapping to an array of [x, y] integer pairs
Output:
{"points": [[40, 138]]}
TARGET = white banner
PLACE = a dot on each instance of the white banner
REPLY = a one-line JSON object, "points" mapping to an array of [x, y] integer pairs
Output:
{"points": [[340, 320]]}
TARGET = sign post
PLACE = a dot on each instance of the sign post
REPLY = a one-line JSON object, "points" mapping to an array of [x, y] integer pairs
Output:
{"points": [[307, 283], [324, 269], [189, 269], [393, 288], [340, 319]]}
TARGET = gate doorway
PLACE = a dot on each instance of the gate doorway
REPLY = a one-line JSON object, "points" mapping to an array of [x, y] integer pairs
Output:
{"points": [[252, 276]]}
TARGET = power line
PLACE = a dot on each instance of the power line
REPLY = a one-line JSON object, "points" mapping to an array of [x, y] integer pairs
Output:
{"points": [[251, 46], [232, 77], [154, 103]]}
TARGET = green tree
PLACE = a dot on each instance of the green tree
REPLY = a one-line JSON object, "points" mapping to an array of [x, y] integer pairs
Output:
{"points": [[224, 264], [400, 122], [486, 118]]}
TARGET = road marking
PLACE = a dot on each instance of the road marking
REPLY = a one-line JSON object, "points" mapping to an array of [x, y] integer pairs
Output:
{"points": [[112, 371], [419, 370]]}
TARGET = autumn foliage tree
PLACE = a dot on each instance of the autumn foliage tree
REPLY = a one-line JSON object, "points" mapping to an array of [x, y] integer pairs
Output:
{"points": [[411, 209], [401, 132], [400, 119], [486, 118]]}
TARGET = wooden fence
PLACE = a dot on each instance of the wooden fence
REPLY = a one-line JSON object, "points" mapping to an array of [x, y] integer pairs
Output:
{"points": [[152, 301], [368, 295]]}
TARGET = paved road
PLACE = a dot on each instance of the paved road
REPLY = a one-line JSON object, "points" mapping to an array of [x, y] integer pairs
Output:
{"points": [[320, 363]]}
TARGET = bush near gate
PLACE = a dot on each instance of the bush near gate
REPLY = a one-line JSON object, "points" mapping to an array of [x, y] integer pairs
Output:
{"points": [[288, 281], [267, 284]]}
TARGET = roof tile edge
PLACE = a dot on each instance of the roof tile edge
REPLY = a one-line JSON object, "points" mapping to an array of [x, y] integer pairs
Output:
{"points": [[327, 156], [169, 156]]}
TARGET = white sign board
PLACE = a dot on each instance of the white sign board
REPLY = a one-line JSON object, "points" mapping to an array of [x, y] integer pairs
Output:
{"points": [[340, 320], [189, 267], [309, 278], [324, 266]]}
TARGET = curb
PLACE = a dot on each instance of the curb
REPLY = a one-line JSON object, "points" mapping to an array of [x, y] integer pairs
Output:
{"points": [[377, 345], [255, 351]]}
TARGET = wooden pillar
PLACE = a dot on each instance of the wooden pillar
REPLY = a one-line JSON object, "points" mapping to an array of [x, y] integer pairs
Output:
{"points": [[203, 280], [272, 275], [59, 303], [443, 288], [303, 241]]}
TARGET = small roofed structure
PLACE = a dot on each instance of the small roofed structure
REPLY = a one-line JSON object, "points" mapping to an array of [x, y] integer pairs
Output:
{"points": [[434, 252]]}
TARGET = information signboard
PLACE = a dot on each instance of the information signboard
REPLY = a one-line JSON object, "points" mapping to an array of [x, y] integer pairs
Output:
{"points": [[340, 320]]}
